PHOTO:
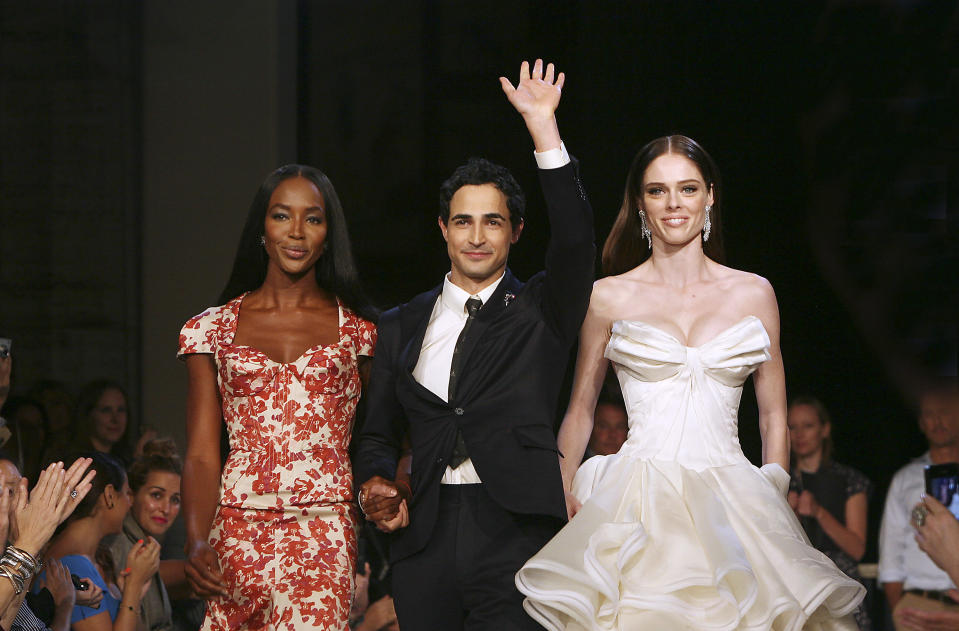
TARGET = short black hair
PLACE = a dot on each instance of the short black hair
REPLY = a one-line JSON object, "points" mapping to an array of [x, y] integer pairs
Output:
{"points": [[478, 171]]}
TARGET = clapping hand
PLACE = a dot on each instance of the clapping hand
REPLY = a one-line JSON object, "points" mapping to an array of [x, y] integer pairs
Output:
{"points": [[36, 515]]}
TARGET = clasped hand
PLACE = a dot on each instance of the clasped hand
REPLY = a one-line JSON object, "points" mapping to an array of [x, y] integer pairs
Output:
{"points": [[385, 504]]}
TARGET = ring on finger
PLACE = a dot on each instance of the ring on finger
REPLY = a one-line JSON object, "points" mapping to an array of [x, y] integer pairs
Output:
{"points": [[74, 494], [919, 515]]}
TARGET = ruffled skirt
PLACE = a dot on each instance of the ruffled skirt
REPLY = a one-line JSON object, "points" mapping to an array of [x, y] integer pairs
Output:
{"points": [[659, 546]]}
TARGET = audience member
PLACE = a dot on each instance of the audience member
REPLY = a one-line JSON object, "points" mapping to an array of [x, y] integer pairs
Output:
{"points": [[155, 483], [830, 499], [28, 520], [610, 426], [911, 580], [101, 424], [78, 546], [27, 422], [58, 405]]}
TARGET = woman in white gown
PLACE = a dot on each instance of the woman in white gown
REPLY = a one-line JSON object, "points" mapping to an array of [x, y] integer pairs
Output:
{"points": [[679, 530]]}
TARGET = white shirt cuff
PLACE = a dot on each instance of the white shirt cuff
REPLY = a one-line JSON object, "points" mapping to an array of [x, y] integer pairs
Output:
{"points": [[552, 158]]}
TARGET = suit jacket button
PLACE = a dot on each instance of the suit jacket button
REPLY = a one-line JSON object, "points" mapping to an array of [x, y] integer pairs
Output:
{"points": [[458, 411], [439, 461]]}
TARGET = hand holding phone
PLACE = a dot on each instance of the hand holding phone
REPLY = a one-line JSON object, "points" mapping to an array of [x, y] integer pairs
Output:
{"points": [[942, 483]]}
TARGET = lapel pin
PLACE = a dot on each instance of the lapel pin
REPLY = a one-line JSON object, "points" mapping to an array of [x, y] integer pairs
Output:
{"points": [[506, 298]]}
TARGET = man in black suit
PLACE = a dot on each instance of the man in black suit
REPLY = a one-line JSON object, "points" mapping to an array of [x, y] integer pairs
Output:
{"points": [[470, 373]]}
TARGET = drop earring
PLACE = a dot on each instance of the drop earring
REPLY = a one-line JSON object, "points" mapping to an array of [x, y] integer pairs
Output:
{"points": [[645, 229], [262, 240], [707, 224]]}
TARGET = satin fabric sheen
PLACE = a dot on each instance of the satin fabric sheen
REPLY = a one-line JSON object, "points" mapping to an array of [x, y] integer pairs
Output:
{"points": [[679, 530]]}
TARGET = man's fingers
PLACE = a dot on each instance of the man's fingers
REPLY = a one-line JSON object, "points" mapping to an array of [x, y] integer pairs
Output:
{"points": [[560, 80], [508, 88], [538, 69], [524, 71]]}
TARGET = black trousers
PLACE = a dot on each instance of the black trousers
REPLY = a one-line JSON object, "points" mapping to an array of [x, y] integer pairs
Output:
{"points": [[463, 578]]}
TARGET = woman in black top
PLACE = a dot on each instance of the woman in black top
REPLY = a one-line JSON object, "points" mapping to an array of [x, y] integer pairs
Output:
{"points": [[830, 499]]}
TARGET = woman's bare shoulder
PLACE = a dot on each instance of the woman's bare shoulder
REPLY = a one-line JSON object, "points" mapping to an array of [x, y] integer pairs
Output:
{"points": [[744, 284], [611, 291]]}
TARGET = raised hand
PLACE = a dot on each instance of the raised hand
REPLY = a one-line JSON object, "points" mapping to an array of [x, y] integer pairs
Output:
{"points": [[536, 97], [55, 496], [536, 94]]}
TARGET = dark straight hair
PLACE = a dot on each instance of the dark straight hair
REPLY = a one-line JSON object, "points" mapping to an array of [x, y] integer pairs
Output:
{"points": [[336, 270], [625, 247]]}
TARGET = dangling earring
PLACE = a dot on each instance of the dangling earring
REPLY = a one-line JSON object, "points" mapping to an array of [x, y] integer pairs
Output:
{"points": [[645, 228], [707, 224], [262, 240]]}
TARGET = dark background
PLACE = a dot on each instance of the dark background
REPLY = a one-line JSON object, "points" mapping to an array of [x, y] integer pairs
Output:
{"points": [[833, 124]]}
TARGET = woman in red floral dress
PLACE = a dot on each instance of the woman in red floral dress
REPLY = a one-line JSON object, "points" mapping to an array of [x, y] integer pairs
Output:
{"points": [[271, 533]]}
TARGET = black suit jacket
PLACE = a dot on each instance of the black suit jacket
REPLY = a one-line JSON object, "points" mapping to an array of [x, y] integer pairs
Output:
{"points": [[513, 362]]}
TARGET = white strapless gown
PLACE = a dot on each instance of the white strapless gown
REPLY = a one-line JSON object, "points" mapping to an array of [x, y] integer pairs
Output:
{"points": [[679, 530]]}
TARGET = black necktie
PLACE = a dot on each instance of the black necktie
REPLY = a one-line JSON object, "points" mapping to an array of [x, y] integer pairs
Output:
{"points": [[472, 307]]}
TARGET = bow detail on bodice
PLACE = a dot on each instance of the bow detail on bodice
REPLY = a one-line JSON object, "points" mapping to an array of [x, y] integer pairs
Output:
{"points": [[683, 401]]}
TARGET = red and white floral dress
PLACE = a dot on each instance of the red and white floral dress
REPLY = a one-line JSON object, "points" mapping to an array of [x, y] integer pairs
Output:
{"points": [[285, 528]]}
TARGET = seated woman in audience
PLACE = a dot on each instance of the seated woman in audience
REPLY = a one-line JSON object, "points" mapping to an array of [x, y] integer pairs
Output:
{"points": [[155, 483], [78, 546], [26, 523], [100, 424], [829, 498]]}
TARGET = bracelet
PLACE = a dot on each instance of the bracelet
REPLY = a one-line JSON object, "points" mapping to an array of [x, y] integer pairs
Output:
{"points": [[18, 566], [136, 612], [32, 563], [15, 578]]}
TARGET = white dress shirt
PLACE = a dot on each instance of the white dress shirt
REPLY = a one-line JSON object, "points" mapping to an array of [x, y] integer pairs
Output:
{"points": [[900, 559], [432, 369], [449, 316]]}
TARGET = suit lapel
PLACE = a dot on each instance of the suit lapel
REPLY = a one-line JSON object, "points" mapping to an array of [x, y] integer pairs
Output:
{"points": [[415, 319], [488, 314]]}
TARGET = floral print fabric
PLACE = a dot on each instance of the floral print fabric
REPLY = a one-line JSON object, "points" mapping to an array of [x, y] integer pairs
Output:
{"points": [[285, 532]]}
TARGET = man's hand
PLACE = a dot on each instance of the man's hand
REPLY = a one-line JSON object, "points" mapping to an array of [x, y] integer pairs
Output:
{"points": [[402, 519], [536, 97], [380, 499]]}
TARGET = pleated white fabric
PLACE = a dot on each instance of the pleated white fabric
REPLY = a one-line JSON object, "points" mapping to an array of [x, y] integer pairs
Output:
{"points": [[679, 530]]}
